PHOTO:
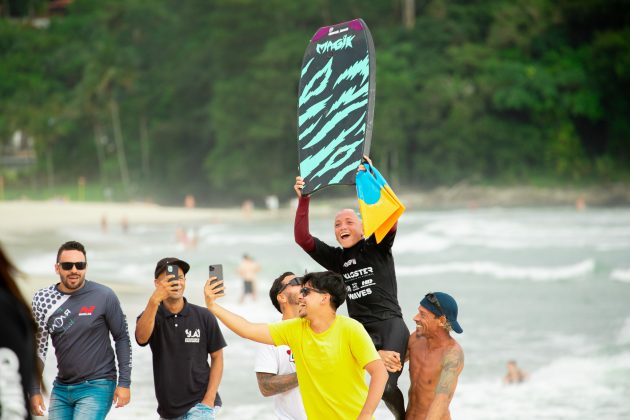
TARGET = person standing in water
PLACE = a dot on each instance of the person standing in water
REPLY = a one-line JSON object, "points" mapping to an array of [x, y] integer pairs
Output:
{"points": [[248, 270], [514, 375]]}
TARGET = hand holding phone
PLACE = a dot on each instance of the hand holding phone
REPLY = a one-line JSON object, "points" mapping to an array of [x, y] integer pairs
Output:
{"points": [[216, 270], [172, 270]]}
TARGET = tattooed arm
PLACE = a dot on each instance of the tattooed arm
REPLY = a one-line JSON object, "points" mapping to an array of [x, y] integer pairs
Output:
{"points": [[452, 365], [271, 384]]}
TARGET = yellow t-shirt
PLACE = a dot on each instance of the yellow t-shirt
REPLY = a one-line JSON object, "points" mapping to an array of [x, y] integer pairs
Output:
{"points": [[329, 365]]}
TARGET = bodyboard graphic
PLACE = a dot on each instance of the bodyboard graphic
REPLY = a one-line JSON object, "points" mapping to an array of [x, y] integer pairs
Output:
{"points": [[379, 206], [335, 104]]}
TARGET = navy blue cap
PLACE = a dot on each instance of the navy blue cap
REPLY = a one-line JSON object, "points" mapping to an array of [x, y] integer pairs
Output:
{"points": [[448, 305], [161, 265]]}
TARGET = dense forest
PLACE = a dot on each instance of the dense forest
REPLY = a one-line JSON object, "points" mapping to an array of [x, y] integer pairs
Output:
{"points": [[160, 98]]}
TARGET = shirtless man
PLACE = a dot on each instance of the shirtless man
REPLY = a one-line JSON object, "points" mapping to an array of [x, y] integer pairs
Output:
{"points": [[248, 269], [435, 358]]}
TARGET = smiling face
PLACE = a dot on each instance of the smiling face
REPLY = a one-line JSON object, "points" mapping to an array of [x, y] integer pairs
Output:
{"points": [[348, 228], [312, 302], [72, 279], [425, 322], [288, 297], [291, 291]]}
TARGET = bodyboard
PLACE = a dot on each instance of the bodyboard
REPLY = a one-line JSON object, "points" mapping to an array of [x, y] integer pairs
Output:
{"points": [[336, 104]]}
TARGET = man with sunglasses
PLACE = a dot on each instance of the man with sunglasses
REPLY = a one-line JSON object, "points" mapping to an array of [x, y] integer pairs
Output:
{"points": [[368, 271], [435, 358], [332, 352], [79, 316], [275, 365]]}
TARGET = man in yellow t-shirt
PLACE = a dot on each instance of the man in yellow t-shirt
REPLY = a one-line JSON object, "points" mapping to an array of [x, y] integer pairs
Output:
{"points": [[331, 351]]}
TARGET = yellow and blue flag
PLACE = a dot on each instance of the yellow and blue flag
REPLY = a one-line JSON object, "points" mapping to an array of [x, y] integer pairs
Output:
{"points": [[378, 204]]}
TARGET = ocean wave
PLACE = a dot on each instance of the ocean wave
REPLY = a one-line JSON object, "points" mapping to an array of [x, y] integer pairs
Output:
{"points": [[554, 391], [623, 337], [420, 241], [502, 271], [495, 230], [621, 275]]}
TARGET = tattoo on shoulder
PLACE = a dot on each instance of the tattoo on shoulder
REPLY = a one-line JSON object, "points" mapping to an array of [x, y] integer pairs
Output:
{"points": [[452, 365]]}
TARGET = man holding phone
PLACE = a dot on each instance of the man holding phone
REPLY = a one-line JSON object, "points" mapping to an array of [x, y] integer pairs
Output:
{"points": [[181, 335], [332, 352]]}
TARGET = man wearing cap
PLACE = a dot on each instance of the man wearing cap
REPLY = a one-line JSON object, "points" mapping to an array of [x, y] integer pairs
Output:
{"points": [[435, 358], [275, 365], [181, 335]]}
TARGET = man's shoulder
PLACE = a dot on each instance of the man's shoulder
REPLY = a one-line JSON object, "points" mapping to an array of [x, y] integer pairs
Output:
{"points": [[98, 287], [47, 297], [347, 322], [320, 243], [200, 311], [47, 290], [453, 358], [455, 349]]}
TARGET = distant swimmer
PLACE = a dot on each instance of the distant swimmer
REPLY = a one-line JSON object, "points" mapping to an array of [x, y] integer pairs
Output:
{"points": [[435, 358], [332, 351], [369, 275], [275, 365], [248, 270], [77, 315], [514, 375]]}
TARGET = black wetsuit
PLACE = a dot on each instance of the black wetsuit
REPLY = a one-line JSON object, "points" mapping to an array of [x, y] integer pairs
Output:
{"points": [[372, 293]]}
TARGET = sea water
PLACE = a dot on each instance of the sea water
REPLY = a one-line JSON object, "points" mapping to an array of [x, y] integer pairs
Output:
{"points": [[549, 288]]}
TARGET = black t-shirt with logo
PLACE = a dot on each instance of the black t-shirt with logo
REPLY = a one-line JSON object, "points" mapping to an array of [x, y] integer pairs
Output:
{"points": [[180, 344], [368, 272]]}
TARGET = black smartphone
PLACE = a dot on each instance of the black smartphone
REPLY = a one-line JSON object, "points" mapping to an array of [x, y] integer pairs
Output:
{"points": [[216, 270], [174, 270]]}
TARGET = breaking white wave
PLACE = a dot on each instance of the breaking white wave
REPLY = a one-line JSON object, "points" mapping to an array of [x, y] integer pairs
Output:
{"points": [[621, 275], [555, 391], [502, 271]]}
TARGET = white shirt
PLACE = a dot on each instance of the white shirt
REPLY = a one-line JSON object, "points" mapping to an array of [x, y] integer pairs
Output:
{"points": [[279, 361]]}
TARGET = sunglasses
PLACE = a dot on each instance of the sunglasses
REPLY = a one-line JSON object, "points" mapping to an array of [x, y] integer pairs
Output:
{"points": [[68, 265], [306, 290], [293, 282], [435, 302]]}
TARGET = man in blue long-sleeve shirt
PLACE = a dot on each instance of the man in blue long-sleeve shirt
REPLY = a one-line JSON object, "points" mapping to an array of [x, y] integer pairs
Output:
{"points": [[79, 316]]}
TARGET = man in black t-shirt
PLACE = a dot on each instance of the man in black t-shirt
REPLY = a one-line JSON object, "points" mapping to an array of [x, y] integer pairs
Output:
{"points": [[181, 336], [372, 294]]}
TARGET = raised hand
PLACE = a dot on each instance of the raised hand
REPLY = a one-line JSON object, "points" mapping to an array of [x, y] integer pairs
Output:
{"points": [[299, 184]]}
